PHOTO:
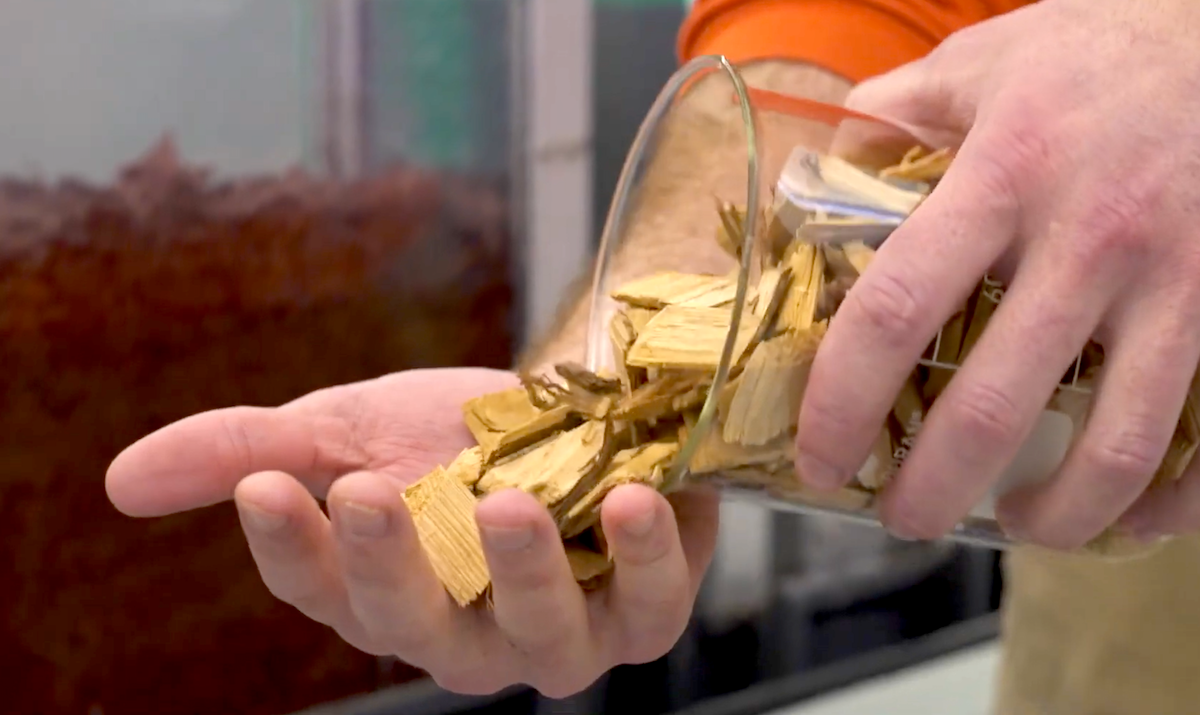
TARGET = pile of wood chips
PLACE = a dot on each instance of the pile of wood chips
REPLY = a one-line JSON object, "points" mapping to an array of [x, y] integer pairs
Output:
{"points": [[569, 442]]}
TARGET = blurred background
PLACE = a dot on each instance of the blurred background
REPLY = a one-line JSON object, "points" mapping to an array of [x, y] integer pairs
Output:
{"points": [[236, 202]]}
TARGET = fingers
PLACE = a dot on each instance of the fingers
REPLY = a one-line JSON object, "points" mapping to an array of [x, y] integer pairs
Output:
{"points": [[290, 540], [1148, 369], [1166, 509], [199, 460], [404, 421], [537, 605], [940, 91], [394, 593], [979, 422], [652, 591], [922, 274], [697, 516], [911, 97]]}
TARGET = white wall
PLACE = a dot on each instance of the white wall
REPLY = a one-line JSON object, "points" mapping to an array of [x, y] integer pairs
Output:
{"points": [[87, 85]]}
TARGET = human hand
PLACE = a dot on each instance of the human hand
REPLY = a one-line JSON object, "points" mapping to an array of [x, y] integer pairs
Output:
{"points": [[1075, 183], [363, 572]]}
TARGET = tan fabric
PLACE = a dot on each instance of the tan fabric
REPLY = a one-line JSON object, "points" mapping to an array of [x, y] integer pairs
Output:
{"points": [[1090, 637]]}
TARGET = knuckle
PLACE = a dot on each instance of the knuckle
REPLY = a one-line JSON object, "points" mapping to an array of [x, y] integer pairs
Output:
{"points": [[1115, 225], [233, 448], [336, 441], [891, 305], [986, 414], [1021, 149], [1127, 460]]}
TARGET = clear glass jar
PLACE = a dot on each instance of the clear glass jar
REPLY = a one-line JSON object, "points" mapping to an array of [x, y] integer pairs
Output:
{"points": [[772, 147], [207, 204]]}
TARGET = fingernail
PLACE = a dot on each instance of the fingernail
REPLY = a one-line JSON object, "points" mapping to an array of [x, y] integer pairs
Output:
{"points": [[261, 519], [817, 472], [640, 526], [364, 520], [507, 538]]}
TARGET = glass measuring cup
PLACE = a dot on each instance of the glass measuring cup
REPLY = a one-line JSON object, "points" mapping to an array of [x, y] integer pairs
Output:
{"points": [[770, 149]]}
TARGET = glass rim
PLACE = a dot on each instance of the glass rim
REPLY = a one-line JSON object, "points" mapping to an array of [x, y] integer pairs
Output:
{"points": [[597, 337]]}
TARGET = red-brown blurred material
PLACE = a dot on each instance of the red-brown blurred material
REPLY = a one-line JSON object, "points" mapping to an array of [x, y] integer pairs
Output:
{"points": [[125, 307]]}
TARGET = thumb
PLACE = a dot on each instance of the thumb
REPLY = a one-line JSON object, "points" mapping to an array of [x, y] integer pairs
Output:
{"points": [[920, 98]]}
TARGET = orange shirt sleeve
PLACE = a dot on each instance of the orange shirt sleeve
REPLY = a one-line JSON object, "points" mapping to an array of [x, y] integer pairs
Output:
{"points": [[853, 38]]}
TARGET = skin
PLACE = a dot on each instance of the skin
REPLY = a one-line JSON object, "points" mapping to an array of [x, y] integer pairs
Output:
{"points": [[362, 571], [1076, 121]]}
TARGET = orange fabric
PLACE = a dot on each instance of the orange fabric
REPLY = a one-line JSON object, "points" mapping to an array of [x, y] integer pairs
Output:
{"points": [[852, 38]]}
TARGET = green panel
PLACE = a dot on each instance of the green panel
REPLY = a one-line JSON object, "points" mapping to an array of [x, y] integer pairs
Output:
{"points": [[438, 82], [421, 58]]}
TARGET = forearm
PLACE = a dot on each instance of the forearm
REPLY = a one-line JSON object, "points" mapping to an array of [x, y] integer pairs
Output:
{"points": [[701, 152]]}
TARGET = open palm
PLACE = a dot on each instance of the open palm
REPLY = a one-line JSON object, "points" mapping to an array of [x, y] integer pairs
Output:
{"points": [[362, 571]]}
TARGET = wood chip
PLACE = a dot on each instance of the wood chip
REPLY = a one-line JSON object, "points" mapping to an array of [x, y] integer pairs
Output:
{"points": [[467, 467], [843, 176], [920, 166], [541, 426], [837, 231], [578, 376], [946, 350], [837, 265], [639, 465], [669, 288], [587, 565], [799, 310], [443, 512], [730, 229], [488, 417], [859, 255], [687, 338], [714, 454], [673, 392], [639, 318], [765, 290], [984, 303], [552, 469], [621, 333], [767, 401], [876, 473]]}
